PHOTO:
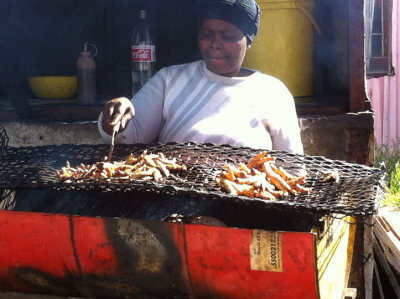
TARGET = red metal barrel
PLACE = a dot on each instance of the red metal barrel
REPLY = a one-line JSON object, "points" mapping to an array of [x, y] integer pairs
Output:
{"points": [[124, 258]]}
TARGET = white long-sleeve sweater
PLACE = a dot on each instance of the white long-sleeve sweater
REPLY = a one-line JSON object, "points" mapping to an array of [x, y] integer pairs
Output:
{"points": [[187, 102]]}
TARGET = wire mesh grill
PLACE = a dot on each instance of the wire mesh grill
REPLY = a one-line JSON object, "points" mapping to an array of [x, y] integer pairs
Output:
{"points": [[3, 141], [4, 194], [358, 191]]}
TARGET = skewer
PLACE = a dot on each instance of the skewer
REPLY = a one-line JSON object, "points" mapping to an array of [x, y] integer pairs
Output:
{"points": [[111, 146]]}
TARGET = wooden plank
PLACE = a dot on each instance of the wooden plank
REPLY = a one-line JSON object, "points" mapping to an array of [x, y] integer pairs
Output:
{"points": [[334, 254], [389, 247], [368, 257], [393, 224], [356, 56], [59, 110], [356, 279], [378, 283], [386, 268], [323, 105], [68, 113]]}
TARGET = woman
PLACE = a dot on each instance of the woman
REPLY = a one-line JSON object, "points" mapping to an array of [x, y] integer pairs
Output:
{"points": [[215, 99]]}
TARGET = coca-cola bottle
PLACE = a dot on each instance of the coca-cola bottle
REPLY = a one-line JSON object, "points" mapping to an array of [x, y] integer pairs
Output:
{"points": [[143, 53]]}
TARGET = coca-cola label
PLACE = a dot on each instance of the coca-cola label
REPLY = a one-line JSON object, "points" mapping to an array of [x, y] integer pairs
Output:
{"points": [[144, 53]]}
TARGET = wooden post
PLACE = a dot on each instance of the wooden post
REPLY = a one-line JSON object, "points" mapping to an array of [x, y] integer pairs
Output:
{"points": [[356, 279], [356, 56]]}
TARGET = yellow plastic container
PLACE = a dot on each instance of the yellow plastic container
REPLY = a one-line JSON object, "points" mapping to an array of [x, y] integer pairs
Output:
{"points": [[53, 87], [283, 47]]}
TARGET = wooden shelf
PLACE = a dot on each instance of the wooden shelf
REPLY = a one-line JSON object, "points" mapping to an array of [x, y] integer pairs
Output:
{"points": [[71, 110], [50, 110]]}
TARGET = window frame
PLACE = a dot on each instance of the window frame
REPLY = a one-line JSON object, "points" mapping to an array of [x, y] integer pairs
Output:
{"points": [[379, 66]]}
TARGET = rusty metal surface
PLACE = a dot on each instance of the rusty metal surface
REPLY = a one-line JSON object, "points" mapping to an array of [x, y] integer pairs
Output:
{"points": [[90, 257], [357, 192], [95, 257]]}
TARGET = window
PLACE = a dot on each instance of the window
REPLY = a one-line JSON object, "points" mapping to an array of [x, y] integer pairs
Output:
{"points": [[378, 51]]}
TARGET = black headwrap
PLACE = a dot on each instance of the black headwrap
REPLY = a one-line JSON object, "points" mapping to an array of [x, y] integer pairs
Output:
{"points": [[245, 14]]}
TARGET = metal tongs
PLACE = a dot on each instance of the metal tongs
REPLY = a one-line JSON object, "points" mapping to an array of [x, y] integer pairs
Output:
{"points": [[112, 145]]}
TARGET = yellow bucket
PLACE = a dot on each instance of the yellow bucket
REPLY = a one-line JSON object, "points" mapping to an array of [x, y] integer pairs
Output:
{"points": [[283, 47]]}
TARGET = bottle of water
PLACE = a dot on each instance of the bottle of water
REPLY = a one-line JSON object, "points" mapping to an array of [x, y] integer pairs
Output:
{"points": [[143, 53]]}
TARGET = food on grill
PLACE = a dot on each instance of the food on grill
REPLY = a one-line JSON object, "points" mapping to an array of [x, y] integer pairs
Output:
{"points": [[145, 167], [331, 176], [261, 178], [358, 192]]}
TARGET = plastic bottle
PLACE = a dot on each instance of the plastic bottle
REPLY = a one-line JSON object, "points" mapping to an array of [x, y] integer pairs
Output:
{"points": [[143, 53], [86, 71]]}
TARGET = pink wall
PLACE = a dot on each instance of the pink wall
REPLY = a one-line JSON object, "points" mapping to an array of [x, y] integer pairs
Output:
{"points": [[384, 92]]}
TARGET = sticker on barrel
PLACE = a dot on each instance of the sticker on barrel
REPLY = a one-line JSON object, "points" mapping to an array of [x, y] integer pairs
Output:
{"points": [[266, 251]]}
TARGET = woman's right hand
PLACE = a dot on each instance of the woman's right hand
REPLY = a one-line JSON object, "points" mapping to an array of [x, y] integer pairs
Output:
{"points": [[116, 115]]}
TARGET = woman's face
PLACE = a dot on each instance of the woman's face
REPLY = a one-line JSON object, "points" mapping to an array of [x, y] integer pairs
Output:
{"points": [[222, 46]]}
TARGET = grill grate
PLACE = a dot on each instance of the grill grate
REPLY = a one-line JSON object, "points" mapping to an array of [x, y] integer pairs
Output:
{"points": [[3, 141], [358, 191]]}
